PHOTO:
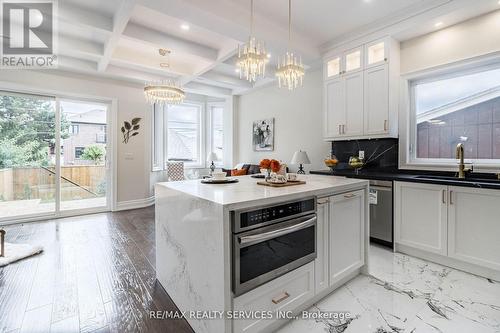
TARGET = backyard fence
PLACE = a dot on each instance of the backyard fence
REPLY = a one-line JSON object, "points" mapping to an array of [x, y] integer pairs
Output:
{"points": [[77, 182]]}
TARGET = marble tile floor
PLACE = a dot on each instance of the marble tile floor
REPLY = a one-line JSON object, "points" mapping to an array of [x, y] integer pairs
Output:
{"points": [[406, 294]]}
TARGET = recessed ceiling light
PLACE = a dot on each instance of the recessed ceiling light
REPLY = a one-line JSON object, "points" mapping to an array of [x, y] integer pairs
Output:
{"points": [[237, 70], [268, 55], [438, 24], [185, 26]]}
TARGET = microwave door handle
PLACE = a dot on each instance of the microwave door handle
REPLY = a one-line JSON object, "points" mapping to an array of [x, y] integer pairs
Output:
{"points": [[244, 240]]}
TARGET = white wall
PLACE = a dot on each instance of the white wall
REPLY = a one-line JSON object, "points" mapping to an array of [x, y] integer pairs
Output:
{"points": [[133, 172], [475, 37], [298, 122]]}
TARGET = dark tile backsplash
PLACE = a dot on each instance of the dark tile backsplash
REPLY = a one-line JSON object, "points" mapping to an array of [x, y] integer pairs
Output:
{"points": [[379, 153]]}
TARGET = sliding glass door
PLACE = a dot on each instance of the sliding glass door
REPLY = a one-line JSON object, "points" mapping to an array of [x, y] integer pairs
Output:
{"points": [[27, 154], [83, 155], [52, 156]]}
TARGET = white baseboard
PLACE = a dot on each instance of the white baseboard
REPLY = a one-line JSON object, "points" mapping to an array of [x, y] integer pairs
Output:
{"points": [[134, 204], [450, 262]]}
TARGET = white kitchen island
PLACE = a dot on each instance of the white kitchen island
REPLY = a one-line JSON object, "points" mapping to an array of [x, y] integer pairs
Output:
{"points": [[194, 248]]}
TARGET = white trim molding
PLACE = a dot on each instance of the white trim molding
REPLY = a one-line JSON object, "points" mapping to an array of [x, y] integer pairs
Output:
{"points": [[134, 204]]}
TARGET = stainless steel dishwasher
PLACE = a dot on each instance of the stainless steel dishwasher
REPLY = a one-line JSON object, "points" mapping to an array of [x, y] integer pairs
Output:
{"points": [[381, 215]]}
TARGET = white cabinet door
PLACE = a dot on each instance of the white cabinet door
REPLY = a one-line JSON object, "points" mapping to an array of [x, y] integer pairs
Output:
{"points": [[321, 262], [376, 52], [353, 60], [335, 108], [333, 67], [420, 216], [474, 226], [376, 120], [353, 104], [347, 219]]}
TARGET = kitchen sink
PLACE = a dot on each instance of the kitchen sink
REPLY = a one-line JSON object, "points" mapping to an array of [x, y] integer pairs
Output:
{"points": [[470, 179]]}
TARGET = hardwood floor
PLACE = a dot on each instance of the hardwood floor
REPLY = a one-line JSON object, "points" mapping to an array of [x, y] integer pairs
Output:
{"points": [[96, 274]]}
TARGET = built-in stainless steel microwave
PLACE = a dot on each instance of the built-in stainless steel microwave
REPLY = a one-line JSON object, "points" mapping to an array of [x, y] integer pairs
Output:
{"points": [[270, 241]]}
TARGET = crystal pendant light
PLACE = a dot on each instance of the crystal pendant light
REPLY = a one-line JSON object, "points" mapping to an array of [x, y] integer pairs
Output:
{"points": [[290, 71], [164, 91], [252, 56]]}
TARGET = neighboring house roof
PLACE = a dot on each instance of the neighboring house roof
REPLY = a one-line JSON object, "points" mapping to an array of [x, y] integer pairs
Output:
{"points": [[459, 104], [96, 116]]}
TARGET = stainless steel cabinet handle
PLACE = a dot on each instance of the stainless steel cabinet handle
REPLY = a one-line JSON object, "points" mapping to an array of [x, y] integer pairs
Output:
{"points": [[451, 197], [443, 197], [350, 196], [385, 125], [280, 298], [276, 233], [340, 131], [343, 129]]}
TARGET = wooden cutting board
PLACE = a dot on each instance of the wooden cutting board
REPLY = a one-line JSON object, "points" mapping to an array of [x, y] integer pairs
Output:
{"points": [[299, 182]]}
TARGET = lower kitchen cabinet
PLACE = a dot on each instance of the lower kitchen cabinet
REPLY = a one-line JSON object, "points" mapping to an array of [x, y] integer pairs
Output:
{"points": [[346, 234], [420, 216], [285, 293], [461, 224], [474, 226], [321, 262]]}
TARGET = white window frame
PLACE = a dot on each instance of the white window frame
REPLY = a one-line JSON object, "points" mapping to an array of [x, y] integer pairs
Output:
{"points": [[210, 139], [407, 116], [157, 138], [201, 137]]}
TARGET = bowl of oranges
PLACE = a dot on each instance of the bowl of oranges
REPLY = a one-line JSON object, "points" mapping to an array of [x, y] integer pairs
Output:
{"points": [[331, 162]]}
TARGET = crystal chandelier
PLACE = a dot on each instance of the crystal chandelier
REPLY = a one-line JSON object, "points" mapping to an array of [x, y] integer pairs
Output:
{"points": [[164, 91], [252, 56], [290, 71]]}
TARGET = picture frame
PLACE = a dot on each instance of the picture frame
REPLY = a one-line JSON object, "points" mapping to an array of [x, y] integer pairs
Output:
{"points": [[263, 135]]}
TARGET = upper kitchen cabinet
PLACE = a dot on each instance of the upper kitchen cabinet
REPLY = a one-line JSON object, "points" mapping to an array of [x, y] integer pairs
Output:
{"points": [[333, 67], [365, 103], [353, 60], [377, 53]]}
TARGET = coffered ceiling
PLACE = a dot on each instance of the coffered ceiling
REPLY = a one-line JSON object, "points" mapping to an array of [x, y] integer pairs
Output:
{"points": [[120, 38]]}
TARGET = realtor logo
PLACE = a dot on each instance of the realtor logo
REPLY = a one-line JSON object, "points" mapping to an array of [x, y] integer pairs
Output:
{"points": [[28, 34]]}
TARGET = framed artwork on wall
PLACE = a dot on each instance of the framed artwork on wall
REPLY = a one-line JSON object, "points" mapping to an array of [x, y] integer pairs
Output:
{"points": [[263, 135]]}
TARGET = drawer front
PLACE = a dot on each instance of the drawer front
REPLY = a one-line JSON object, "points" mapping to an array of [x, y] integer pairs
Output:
{"points": [[285, 293]]}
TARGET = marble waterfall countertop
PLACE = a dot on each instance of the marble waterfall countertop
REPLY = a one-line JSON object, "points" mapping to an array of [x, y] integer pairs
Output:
{"points": [[247, 190], [194, 238]]}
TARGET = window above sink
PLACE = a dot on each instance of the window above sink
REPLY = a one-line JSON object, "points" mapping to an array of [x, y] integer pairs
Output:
{"points": [[448, 106]]}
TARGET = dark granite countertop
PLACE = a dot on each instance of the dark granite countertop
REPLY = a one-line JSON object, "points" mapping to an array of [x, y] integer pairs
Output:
{"points": [[479, 180]]}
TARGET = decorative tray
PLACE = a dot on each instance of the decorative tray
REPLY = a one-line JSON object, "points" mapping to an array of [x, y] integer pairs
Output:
{"points": [[219, 181], [288, 183]]}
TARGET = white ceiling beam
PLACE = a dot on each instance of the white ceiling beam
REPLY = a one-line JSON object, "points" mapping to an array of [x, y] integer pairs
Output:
{"points": [[123, 63], [80, 16], [223, 80], [217, 62], [76, 65], [205, 89], [130, 74], [120, 20], [80, 48], [150, 36]]}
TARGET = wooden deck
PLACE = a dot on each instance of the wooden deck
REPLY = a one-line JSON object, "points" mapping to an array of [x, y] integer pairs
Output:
{"points": [[96, 274]]}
